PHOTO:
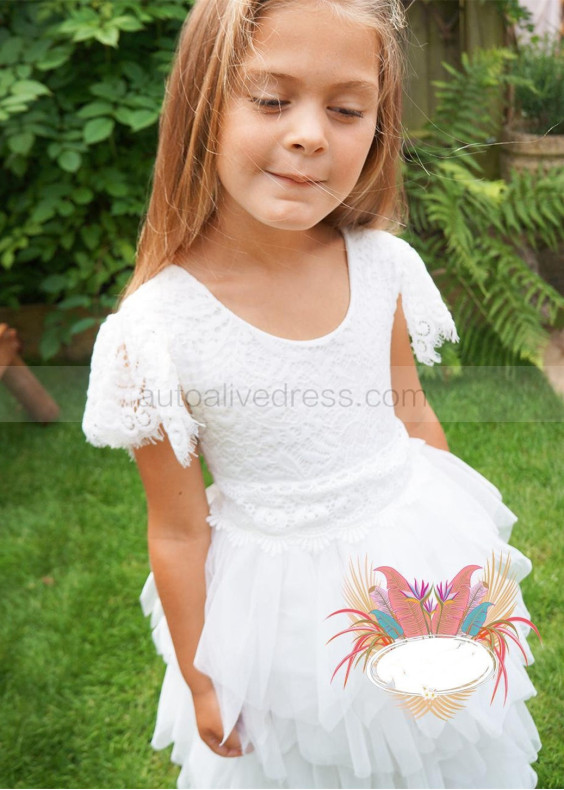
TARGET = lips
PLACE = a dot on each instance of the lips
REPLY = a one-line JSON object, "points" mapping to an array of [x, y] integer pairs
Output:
{"points": [[297, 178]]}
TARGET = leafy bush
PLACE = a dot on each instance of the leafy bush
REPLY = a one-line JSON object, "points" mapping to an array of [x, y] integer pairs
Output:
{"points": [[81, 85], [471, 230], [539, 94]]}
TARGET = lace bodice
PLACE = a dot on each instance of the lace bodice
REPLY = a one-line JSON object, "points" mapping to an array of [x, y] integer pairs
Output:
{"points": [[300, 436]]}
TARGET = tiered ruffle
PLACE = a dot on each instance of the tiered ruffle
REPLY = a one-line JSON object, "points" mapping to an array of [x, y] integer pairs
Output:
{"points": [[264, 644]]}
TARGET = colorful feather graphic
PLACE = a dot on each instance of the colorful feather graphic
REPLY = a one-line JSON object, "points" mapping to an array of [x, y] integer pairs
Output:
{"points": [[380, 598], [477, 594], [475, 618], [448, 616], [405, 607], [460, 608], [388, 623]]}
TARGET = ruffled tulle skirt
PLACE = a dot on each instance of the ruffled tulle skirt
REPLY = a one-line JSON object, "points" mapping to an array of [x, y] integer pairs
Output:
{"points": [[264, 645]]}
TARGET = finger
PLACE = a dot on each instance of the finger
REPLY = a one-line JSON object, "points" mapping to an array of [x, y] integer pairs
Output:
{"points": [[228, 749], [232, 745]]}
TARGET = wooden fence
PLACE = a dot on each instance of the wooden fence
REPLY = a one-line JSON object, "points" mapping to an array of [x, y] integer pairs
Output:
{"points": [[441, 30]]}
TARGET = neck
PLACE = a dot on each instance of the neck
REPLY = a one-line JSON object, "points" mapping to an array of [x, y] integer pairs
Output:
{"points": [[249, 245]]}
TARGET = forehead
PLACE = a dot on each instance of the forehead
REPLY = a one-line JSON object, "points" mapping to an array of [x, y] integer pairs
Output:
{"points": [[307, 42]]}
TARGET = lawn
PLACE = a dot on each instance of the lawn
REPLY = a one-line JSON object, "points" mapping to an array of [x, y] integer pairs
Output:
{"points": [[79, 675]]}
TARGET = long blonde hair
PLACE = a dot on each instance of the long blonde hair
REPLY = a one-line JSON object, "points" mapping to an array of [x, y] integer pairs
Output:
{"points": [[214, 39]]}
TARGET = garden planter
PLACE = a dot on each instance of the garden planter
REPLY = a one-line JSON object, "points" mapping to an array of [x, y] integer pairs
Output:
{"points": [[522, 150]]}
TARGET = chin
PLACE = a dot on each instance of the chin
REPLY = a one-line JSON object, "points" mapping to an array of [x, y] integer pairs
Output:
{"points": [[293, 223]]}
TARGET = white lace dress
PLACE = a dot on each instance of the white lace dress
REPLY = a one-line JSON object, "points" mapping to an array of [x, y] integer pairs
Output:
{"points": [[311, 467]]}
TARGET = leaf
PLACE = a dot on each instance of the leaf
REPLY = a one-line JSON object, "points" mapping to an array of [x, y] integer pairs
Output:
{"points": [[500, 653], [450, 614], [164, 10], [70, 161], [357, 584], [91, 235], [49, 344], [406, 608], [108, 36], [111, 89], [29, 88], [23, 70], [475, 618], [54, 283], [127, 22], [98, 129], [124, 115], [527, 622], [134, 71], [10, 50], [76, 300], [43, 211], [477, 594], [94, 109], [65, 208], [82, 195], [380, 598], [7, 259], [117, 188], [82, 325], [389, 624], [516, 640], [14, 104], [359, 648], [55, 57], [21, 143], [139, 119]]}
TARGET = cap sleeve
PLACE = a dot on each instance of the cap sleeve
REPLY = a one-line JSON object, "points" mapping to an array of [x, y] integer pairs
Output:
{"points": [[134, 395], [429, 321]]}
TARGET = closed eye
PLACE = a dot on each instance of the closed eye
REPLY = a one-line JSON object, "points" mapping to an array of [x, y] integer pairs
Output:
{"points": [[276, 105], [348, 113], [268, 104]]}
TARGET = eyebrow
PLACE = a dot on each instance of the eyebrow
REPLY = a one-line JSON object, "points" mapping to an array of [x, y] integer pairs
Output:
{"points": [[364, 86]]}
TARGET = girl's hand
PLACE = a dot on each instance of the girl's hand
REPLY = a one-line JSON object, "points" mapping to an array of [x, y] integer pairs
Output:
{"points": [[210, 727]]}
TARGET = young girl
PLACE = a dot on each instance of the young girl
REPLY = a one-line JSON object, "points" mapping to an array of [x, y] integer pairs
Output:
{"points": [[269, 326]]}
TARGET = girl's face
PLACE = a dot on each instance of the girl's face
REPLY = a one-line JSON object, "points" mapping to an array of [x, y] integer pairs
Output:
{"points": [[295, 137]]}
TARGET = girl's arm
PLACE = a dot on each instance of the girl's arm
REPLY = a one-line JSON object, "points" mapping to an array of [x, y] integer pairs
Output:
{"points": [[179, 538], [411, 405]]}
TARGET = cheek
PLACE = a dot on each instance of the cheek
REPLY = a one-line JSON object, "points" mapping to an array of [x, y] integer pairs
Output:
{"points": [[246, 149], [244, 136], [355, 151]]}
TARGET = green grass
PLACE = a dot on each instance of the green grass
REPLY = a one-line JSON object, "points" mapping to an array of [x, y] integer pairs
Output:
{"points": [[79, 675]]}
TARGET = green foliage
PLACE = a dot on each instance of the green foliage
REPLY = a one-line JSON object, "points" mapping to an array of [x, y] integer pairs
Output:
{"points": [[471, 230], [539, 94], [81, 86], [514, 13]]}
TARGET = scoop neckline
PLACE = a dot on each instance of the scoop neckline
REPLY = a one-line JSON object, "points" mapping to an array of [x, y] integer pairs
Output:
{"points": [[278, 338]]}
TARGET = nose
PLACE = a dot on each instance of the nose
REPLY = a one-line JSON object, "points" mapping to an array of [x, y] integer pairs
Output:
{"points": [[307, 130]]}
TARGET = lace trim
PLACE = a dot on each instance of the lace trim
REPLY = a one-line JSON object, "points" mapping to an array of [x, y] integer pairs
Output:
{"points": [[134, 395], [403, 489], [428, 319], [274, 545]]}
